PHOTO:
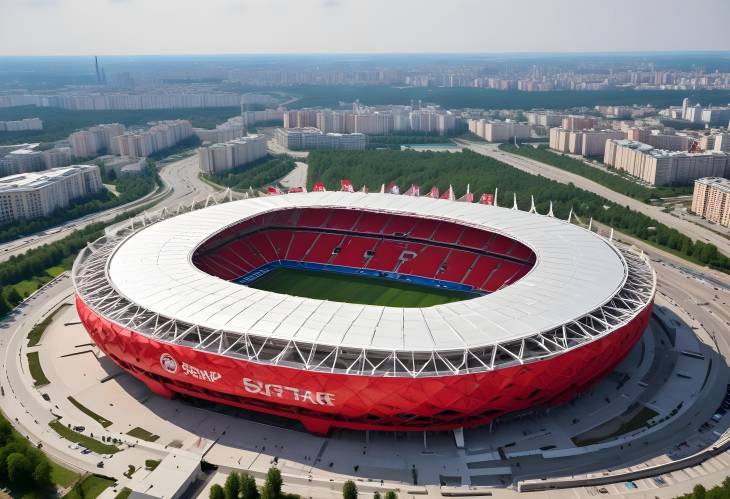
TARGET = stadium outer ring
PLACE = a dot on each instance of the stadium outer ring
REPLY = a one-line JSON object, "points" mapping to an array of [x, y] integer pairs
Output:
{"points": [[321, 400]]}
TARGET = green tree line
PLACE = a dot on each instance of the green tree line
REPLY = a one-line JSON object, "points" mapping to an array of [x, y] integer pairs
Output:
{"points": [[23, 468], [721, 491], [484, 174], [259, 173], [613, 181]]}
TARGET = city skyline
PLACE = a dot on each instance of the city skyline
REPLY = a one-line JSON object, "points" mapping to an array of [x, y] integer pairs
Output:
{"points": [[82, 27]]}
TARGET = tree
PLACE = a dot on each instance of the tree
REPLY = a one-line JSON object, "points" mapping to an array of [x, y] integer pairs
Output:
{"points": [[391, 495], [20, 470], [376, 495], [248, 487], [698, 492], [349, 490], [42, 473], [6, 431], [216, 492], [232, 487], [272, 486], [13, 296]]}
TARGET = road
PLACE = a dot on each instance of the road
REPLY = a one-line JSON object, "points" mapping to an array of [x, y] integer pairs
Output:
{"points": [[180, 177], [534, 167], [297, 177]]}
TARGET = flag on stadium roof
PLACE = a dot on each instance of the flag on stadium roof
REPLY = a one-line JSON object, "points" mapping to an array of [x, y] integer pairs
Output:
{"points": [[448, 194], [273, 190], [487, 198], [393, 188], [468, 197], [292, 190], [434, 193], [364, 189], [346, 185], [318, 187], [413, 190]]}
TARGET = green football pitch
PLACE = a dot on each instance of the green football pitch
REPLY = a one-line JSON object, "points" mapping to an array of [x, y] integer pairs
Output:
{"points": [[354, 289]]}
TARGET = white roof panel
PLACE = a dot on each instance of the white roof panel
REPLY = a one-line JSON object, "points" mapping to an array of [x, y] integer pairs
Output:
{"points": [[576, 271]]}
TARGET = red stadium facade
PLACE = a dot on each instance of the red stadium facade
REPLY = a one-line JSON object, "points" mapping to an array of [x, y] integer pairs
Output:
{"points": [[446, 252]]}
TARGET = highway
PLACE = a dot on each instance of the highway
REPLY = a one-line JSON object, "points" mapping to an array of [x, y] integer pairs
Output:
{"points": [[179, 177], [534, 167]]}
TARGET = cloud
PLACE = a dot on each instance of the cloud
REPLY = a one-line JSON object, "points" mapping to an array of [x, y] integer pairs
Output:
{"points": [[331, 3]]}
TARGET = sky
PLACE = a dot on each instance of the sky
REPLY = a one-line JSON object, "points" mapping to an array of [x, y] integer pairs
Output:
{"points": [[120, 27]]}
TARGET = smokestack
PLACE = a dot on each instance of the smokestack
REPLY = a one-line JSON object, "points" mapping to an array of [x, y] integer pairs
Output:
{"points": [[96, 65]]}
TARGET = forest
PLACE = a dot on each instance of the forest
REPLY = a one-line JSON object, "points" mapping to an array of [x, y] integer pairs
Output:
{"points": [[484, 174], [256, 174]]}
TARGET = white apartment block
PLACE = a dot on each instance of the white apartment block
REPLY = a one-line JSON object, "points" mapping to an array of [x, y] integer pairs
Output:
{"points": [[668, 141], [57, 157], [253, 117], [582, 142], [721, 142], [161, 136], [219, 158], [21, 161], [545, 119], [313, 138], [21, 125], [711, 200], [578, 123], [96, 140], [33, 195], [662, 167], [499, 131]]}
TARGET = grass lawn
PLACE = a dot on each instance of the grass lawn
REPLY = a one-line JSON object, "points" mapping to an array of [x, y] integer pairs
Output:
{"points": [[92, 486], [63, 476], [123, 494], [56, 271], [34, 337], [81, 439], [354, 289], [99, 419], [34, 363], [142, 434], [639, 420]]}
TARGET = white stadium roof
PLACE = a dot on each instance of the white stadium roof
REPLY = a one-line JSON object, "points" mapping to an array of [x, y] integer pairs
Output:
{"points": [[576, 272]]}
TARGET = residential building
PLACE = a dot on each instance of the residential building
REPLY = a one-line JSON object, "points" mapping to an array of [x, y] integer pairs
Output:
{"points": [[96, 140], [163, 135], [33, 195], [499, 131], [711, 200], [582, 142], [579, 123], [313, 138], [57, 157], [721, 142], [222, 157], [662, 167], [668, 141], [21, 125], [21, 161]]}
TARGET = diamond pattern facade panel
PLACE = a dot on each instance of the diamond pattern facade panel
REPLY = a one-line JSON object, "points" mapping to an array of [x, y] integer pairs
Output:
{"points": [[321, 400]]}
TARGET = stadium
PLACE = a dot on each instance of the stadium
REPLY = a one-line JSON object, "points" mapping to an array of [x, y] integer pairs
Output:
{"points": [[364, 311]]}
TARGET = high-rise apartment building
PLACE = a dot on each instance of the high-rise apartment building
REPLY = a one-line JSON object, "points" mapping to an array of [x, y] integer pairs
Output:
{"points": [[579, 123], [711, 200], [222, 157], [161, 136], [96, 140], [499, 131], [668, 141], [21, 125], [313, 138], [662, 167], [583, 142], [33, 195]]}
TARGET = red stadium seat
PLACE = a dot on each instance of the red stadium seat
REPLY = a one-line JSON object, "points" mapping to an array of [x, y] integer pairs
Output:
{"points": [[398, 224], [424, 229], [344, 219], [456, 265], [301, 241], [321, 250], [280, 240], [371, 223], [447, 233], [353, 251]]}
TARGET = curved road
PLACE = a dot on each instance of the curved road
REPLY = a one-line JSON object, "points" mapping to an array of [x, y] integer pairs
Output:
{"points": [[534, 167], [180, 177]]}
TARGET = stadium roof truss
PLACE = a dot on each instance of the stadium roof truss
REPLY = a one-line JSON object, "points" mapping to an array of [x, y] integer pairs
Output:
{"points": [[95, 289]]}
